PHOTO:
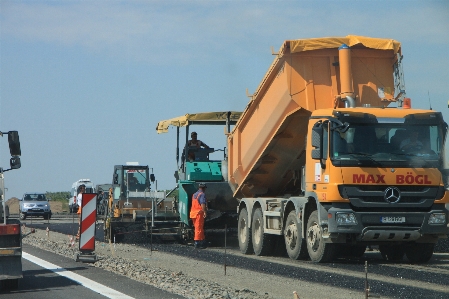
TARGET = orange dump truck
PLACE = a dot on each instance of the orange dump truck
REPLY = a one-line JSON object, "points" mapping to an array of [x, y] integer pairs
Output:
{"points": [[319, 161]]}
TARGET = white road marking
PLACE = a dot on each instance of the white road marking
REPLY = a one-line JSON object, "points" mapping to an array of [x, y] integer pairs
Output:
{"points": [[90, 284]]}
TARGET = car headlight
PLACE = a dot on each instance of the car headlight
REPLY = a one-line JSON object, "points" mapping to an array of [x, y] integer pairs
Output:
{"points": [[346, 218], [437, 218], [26, 205]]}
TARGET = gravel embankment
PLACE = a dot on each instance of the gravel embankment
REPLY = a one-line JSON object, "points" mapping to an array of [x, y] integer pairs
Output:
{"points": [[115, 259]]}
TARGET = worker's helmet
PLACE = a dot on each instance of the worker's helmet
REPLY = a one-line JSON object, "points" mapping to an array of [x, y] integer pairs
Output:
{"points": [[202, 185], [193, 133]]}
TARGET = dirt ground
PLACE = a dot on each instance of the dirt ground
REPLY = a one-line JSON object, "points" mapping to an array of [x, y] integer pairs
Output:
{"points": [[13, 203]]}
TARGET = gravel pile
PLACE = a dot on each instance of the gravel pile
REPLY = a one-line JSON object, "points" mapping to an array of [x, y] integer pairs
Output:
{"points": [[140, 270]]}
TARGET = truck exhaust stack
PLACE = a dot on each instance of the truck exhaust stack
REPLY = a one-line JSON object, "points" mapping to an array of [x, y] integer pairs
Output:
{"points": [[346, 82]]}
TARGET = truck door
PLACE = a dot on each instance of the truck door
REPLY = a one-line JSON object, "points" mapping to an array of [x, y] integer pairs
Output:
{"points": [[318, 159]]}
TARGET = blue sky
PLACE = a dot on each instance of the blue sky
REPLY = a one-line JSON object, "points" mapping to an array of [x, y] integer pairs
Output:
{"points": [[85, 82]]}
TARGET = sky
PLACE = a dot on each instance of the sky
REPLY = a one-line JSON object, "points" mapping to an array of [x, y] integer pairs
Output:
{"points": [[86, 82]]}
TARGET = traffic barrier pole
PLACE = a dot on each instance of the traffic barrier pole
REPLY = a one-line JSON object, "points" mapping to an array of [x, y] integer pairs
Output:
{"points": [[87, 228]]}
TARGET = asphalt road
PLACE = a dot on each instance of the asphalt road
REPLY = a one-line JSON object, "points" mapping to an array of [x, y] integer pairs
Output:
{"points": [[393, 280], [39, 282]]}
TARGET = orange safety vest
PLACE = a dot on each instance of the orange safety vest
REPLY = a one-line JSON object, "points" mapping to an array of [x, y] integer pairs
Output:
{"points": [[196, 207]]}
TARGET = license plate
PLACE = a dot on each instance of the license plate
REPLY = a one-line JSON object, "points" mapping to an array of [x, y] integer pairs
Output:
{"points": [[390, 219]]}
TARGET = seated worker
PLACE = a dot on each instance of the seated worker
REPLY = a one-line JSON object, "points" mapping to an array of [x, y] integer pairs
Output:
{"points": [[196, 143], [134, 184], [411, 143]]}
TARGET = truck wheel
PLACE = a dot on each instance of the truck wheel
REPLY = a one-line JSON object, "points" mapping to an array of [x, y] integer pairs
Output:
{"points": [[319, 251], [244, 233], [419, 252], [263, 244], [392, 253], [294, 243], [23, 216]]}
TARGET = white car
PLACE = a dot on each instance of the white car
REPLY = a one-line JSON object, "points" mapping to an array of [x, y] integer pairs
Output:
{"points": [[34, 204]]}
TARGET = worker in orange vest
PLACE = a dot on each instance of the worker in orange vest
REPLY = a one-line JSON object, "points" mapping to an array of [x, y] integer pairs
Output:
{"points": [[197, 213]]}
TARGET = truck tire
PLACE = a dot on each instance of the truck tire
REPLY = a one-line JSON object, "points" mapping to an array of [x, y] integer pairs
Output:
{"points": [[263, 244], [392, 253], [23, 216], [294, 243], [419, 252], [244, 233], [319, 251]]}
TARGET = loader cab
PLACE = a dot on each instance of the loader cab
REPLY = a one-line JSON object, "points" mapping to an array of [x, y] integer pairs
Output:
{"points": [[208, 165], [203, 164], [132, 179]]}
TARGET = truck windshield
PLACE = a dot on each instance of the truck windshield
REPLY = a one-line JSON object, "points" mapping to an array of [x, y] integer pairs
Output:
{"points": [[387, 144]]}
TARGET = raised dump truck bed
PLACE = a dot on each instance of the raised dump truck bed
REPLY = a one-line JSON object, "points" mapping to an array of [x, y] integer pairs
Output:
{"points": [[267, 146]]}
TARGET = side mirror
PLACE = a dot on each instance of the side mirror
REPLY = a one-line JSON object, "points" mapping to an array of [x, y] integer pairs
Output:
{"points": [[317, 141], [152, 177], [14, 162], [48, 199], [14, 143]]}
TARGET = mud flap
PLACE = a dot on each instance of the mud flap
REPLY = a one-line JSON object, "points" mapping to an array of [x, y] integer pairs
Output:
{"points": [[10, 267]]}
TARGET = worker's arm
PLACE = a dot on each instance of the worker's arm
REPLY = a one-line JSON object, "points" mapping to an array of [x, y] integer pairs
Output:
{"points": [[204, 207]]}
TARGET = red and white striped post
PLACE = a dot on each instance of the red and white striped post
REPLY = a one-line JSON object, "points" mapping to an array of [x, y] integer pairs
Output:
{"points": [[88, 219]]}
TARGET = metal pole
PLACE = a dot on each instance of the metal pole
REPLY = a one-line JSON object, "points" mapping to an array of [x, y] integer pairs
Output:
{"points": [[73, 223], [228, 123], [151, 238], [152, 211], [226, 231], [186, 149], [177, 146], [366, 281]]}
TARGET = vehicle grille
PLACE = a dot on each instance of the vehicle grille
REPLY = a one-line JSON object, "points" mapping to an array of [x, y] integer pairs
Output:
{"points": [[364, 196]]}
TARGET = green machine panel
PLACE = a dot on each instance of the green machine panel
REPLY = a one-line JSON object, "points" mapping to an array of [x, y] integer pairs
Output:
{"points": [[204, 171], [186, 190]]}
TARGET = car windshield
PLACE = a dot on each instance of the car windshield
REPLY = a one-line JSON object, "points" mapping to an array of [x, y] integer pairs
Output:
{"points": [[34, 197]]}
